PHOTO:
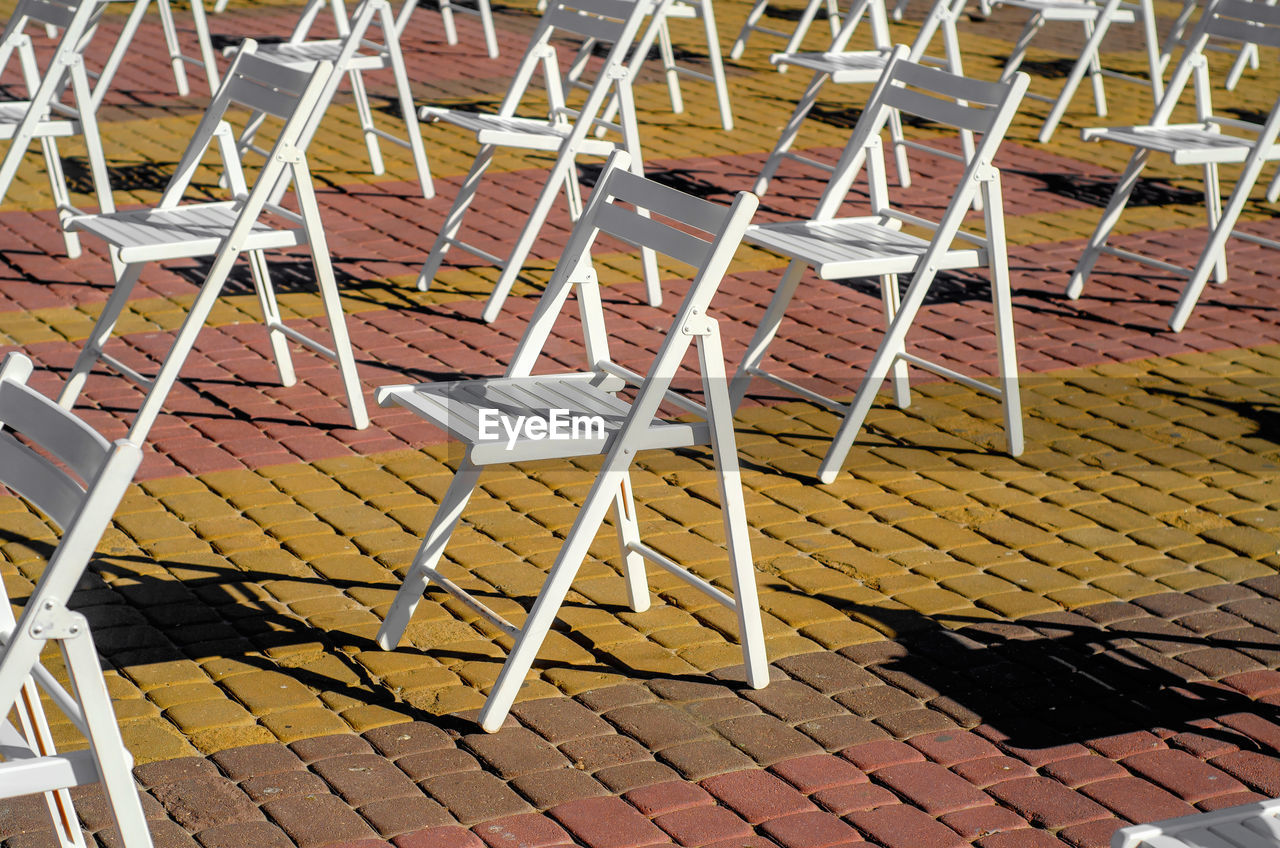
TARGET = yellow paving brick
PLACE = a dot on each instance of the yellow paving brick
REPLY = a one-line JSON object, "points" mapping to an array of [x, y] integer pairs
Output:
{"points": [[304, 723]]}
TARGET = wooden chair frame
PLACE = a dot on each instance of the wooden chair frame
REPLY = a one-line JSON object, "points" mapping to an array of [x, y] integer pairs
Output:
{"points": [[82, 510], [224, 230], [625, 428], [875, 245]]}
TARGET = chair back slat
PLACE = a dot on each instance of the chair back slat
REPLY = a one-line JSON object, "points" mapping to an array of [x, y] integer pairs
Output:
{"points": [[48, 425], [266, 86], [1244, 22], [52, 490], [973, 118], [637, 230], [52, 12], [600, 19], [669, 202]]}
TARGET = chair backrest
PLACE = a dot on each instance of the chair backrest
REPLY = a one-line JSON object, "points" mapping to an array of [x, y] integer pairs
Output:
{"points": [[79, 489], [982, 108], [615, 23], [702, 235], [265, 88], [1238, 21]]}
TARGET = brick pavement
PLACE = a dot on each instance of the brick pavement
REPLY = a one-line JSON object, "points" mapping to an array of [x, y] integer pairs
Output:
{"points": [[967, 649]]}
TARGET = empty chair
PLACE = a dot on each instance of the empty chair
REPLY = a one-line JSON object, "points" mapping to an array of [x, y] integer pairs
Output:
{"points": [[44, 115], [223, 230], [597, 422], [564, 131], [794, 40], [864, 67], [351, 54], [79, 493], [875, 245], [1210, 142], [1096, 17], [1253, 825], [660, 31]]}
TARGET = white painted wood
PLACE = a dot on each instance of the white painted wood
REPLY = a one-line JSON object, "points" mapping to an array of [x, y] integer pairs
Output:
{"points": [[1204, 144], [1246, 826], [462, 408], [82, 508], [875, 245], [224, 230], [45, 115], [351, 55], [564, 131]]}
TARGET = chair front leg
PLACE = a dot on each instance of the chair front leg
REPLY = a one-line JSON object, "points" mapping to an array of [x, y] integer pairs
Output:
{"points": [[366, 121], [633, 567], [271, 317], [453, 221], [789, 132], [1110, 217], [891, 296], [766, 332], [101, 333]]}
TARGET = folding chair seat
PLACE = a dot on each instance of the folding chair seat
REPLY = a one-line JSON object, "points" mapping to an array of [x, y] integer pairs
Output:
{"points": [[615, 429], [45, 116], [565, 131], [796, 38], [1202, 143], [79, 495], [864, 67], [875, 245], [1248, 825], [351, 55], [660, 31], [1096, 17], [223, 230]]}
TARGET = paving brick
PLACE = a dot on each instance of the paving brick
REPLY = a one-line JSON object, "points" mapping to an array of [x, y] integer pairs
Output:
{"points": [[757, 796], [1091, 834], [546, 789], [977, 822], [821, 771], [285, 784], [950, 747], [1137, 800], [702, 825], [842, 731], [901, 826], [439, 837], [395, 816], [559, 720], [515, 751], [1259, 771], [656, 726], [699, 760], [1026, 838], [843, 800], [660, 798], [256, 833], [397, 740], [1126, 744], [531, 830], [931, 787], [1046, 802], [475, 796], [1081, 771], [317, 820], [323, 747], [792, 701], [253, 760], [607, 823], [811, 830], [206, 802], [363, 778], [827, 673], [1183, 774], [872, 756], [766, 739]]}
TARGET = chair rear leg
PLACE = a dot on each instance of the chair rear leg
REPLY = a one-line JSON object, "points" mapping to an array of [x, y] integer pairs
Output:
{"points": [[1020, 47], [1213, 213], [802, 29], [1087, 63], [899, 148], [707, 9], [766, 332], [175, 50], [524, 242], [271, 317], [108, 748], [446, 18], [1110, 217], [428, 556], [486, 23], [101, 333], [753, 18], [789, 133], [892, 299], [633, 567], [58, 188], [1002, 304], [668, 54], [413, 128], [453, 221], [35, 730], [366, 122]]}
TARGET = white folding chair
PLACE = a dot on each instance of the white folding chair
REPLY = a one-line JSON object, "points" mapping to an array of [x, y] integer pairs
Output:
{"points": [[178, 60], [794, 40], [1096, 17], [1253, 825], [565, 131], [876, 246], [351, 54], [1203, 143], [1246, 53], [864, 67], [44, 116], [598, 423], [249, 224], [660, 31], [79, 495]]}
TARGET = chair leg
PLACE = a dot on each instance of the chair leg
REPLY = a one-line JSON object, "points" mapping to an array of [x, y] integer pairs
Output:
{"points": [[1002, 305], [453, 221], [753, 18], [633, 567], [1020, 47], [668, 54], [802, 29], [271, 317], [551, 597], [58, 188], [446, 18], [1246, 58], [707, 9], [108, 748], [175, 51], [98, 337], [1088, 62], [899, 148], [429, 552], [631, 141], [789, 133], [205, 45], [413, 128], [733, 509], [528, 235], [1213, 214], [366, 122], [486, 24], [765, 333], [891, 296], [1154, 68], [1110, 217]]}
